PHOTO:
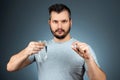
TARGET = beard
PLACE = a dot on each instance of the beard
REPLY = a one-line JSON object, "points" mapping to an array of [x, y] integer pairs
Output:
{"points": [[65, 33]]}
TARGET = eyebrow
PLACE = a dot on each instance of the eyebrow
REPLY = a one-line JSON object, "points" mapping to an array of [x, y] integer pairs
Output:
{"points": [[64, 20], [60, 20]]}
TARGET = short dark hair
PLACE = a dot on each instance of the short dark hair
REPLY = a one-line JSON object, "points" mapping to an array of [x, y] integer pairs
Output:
{"points": [[59, 8]]}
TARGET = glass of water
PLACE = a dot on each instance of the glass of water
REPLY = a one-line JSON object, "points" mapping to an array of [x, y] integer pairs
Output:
{"points": [[43, 53]]}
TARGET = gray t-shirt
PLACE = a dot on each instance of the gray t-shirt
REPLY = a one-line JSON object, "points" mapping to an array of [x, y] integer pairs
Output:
{"points": [[60, 62]]}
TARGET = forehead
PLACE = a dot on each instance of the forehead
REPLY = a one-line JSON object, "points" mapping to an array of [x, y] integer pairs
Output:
{"points": [[59, 16]]}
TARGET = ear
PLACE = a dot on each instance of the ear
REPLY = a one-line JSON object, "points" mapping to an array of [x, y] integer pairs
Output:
{"points": [[71, 22], [49, 22]]}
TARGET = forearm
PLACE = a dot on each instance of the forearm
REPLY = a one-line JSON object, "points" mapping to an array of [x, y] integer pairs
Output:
{"points": [[20, 60], [16, 61], [94, 72]]}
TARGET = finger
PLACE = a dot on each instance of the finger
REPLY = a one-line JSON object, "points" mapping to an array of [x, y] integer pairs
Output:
{"points": [[82, 49], [75, 49], [36, 49], [73, 46], [40, 47], [37, 43], [33, 43], [77, 44], [34, 52]]}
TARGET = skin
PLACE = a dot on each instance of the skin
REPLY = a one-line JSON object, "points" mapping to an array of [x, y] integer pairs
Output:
{"points": [[59, 25], [60, 22]]}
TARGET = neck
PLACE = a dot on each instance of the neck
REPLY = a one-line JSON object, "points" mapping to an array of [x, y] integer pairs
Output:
{"points": [[68, 37]]}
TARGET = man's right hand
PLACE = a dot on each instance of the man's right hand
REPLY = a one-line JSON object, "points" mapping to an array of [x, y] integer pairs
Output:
{"points": [[20, 59], [34, 47]]}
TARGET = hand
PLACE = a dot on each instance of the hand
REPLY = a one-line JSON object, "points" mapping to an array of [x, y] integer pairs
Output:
{"points": [[82, 49], [34, 47]]}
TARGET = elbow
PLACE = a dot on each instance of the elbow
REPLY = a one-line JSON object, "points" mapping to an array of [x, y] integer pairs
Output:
{"points": [[10, 68], [99, 77], [104, 77]]}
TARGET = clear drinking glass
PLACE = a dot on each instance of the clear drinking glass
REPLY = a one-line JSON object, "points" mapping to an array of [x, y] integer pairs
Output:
{"points": [[43, 53]]}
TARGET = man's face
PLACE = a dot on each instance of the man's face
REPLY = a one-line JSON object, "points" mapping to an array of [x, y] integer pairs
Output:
{"points": [[60, 24]]}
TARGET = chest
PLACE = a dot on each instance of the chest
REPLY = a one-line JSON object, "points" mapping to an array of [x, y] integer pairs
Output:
{"points": [[59, 55]]}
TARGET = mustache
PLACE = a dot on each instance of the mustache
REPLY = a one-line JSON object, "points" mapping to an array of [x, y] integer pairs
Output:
{"points": [[59, 30]]}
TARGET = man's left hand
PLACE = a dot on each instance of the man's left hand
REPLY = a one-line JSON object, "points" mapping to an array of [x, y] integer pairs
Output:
{"points": [[82, 49]]}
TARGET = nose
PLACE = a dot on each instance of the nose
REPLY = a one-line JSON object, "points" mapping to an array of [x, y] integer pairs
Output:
{"points": [[59, 25]]}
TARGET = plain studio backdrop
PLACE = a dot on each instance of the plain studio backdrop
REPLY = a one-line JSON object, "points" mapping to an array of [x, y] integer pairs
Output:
{"points": [[96, 22]]}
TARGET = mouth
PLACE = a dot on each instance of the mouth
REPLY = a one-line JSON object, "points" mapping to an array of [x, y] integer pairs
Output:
{"points": [[60, 31]]}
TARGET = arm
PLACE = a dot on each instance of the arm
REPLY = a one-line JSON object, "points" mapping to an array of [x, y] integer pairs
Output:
{"points": [[21, 60], [94, 72], [18, 61]]}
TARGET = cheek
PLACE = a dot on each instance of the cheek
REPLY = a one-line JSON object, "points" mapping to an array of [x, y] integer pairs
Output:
{"points": [[53, 28], [67, 27]]}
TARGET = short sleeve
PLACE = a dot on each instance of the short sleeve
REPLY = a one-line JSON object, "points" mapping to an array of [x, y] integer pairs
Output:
{"points": [[32, 58], [94, 57]]}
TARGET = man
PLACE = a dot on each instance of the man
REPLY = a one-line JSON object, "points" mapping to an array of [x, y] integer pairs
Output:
{"points": [[67, 58]]}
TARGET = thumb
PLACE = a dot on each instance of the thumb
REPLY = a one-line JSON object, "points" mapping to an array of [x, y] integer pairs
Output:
{"points": [[74, 47]]}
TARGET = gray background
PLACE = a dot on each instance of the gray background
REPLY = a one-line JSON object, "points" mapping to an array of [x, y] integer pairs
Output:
{"points": [[96, 22]]}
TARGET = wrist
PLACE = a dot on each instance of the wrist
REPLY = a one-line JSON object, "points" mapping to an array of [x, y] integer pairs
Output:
{"points": [[27, 52], [90, 59]]}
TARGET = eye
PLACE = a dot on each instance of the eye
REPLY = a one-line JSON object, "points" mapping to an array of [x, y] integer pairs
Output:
{"points": [[64, 21], [55, 21]]}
